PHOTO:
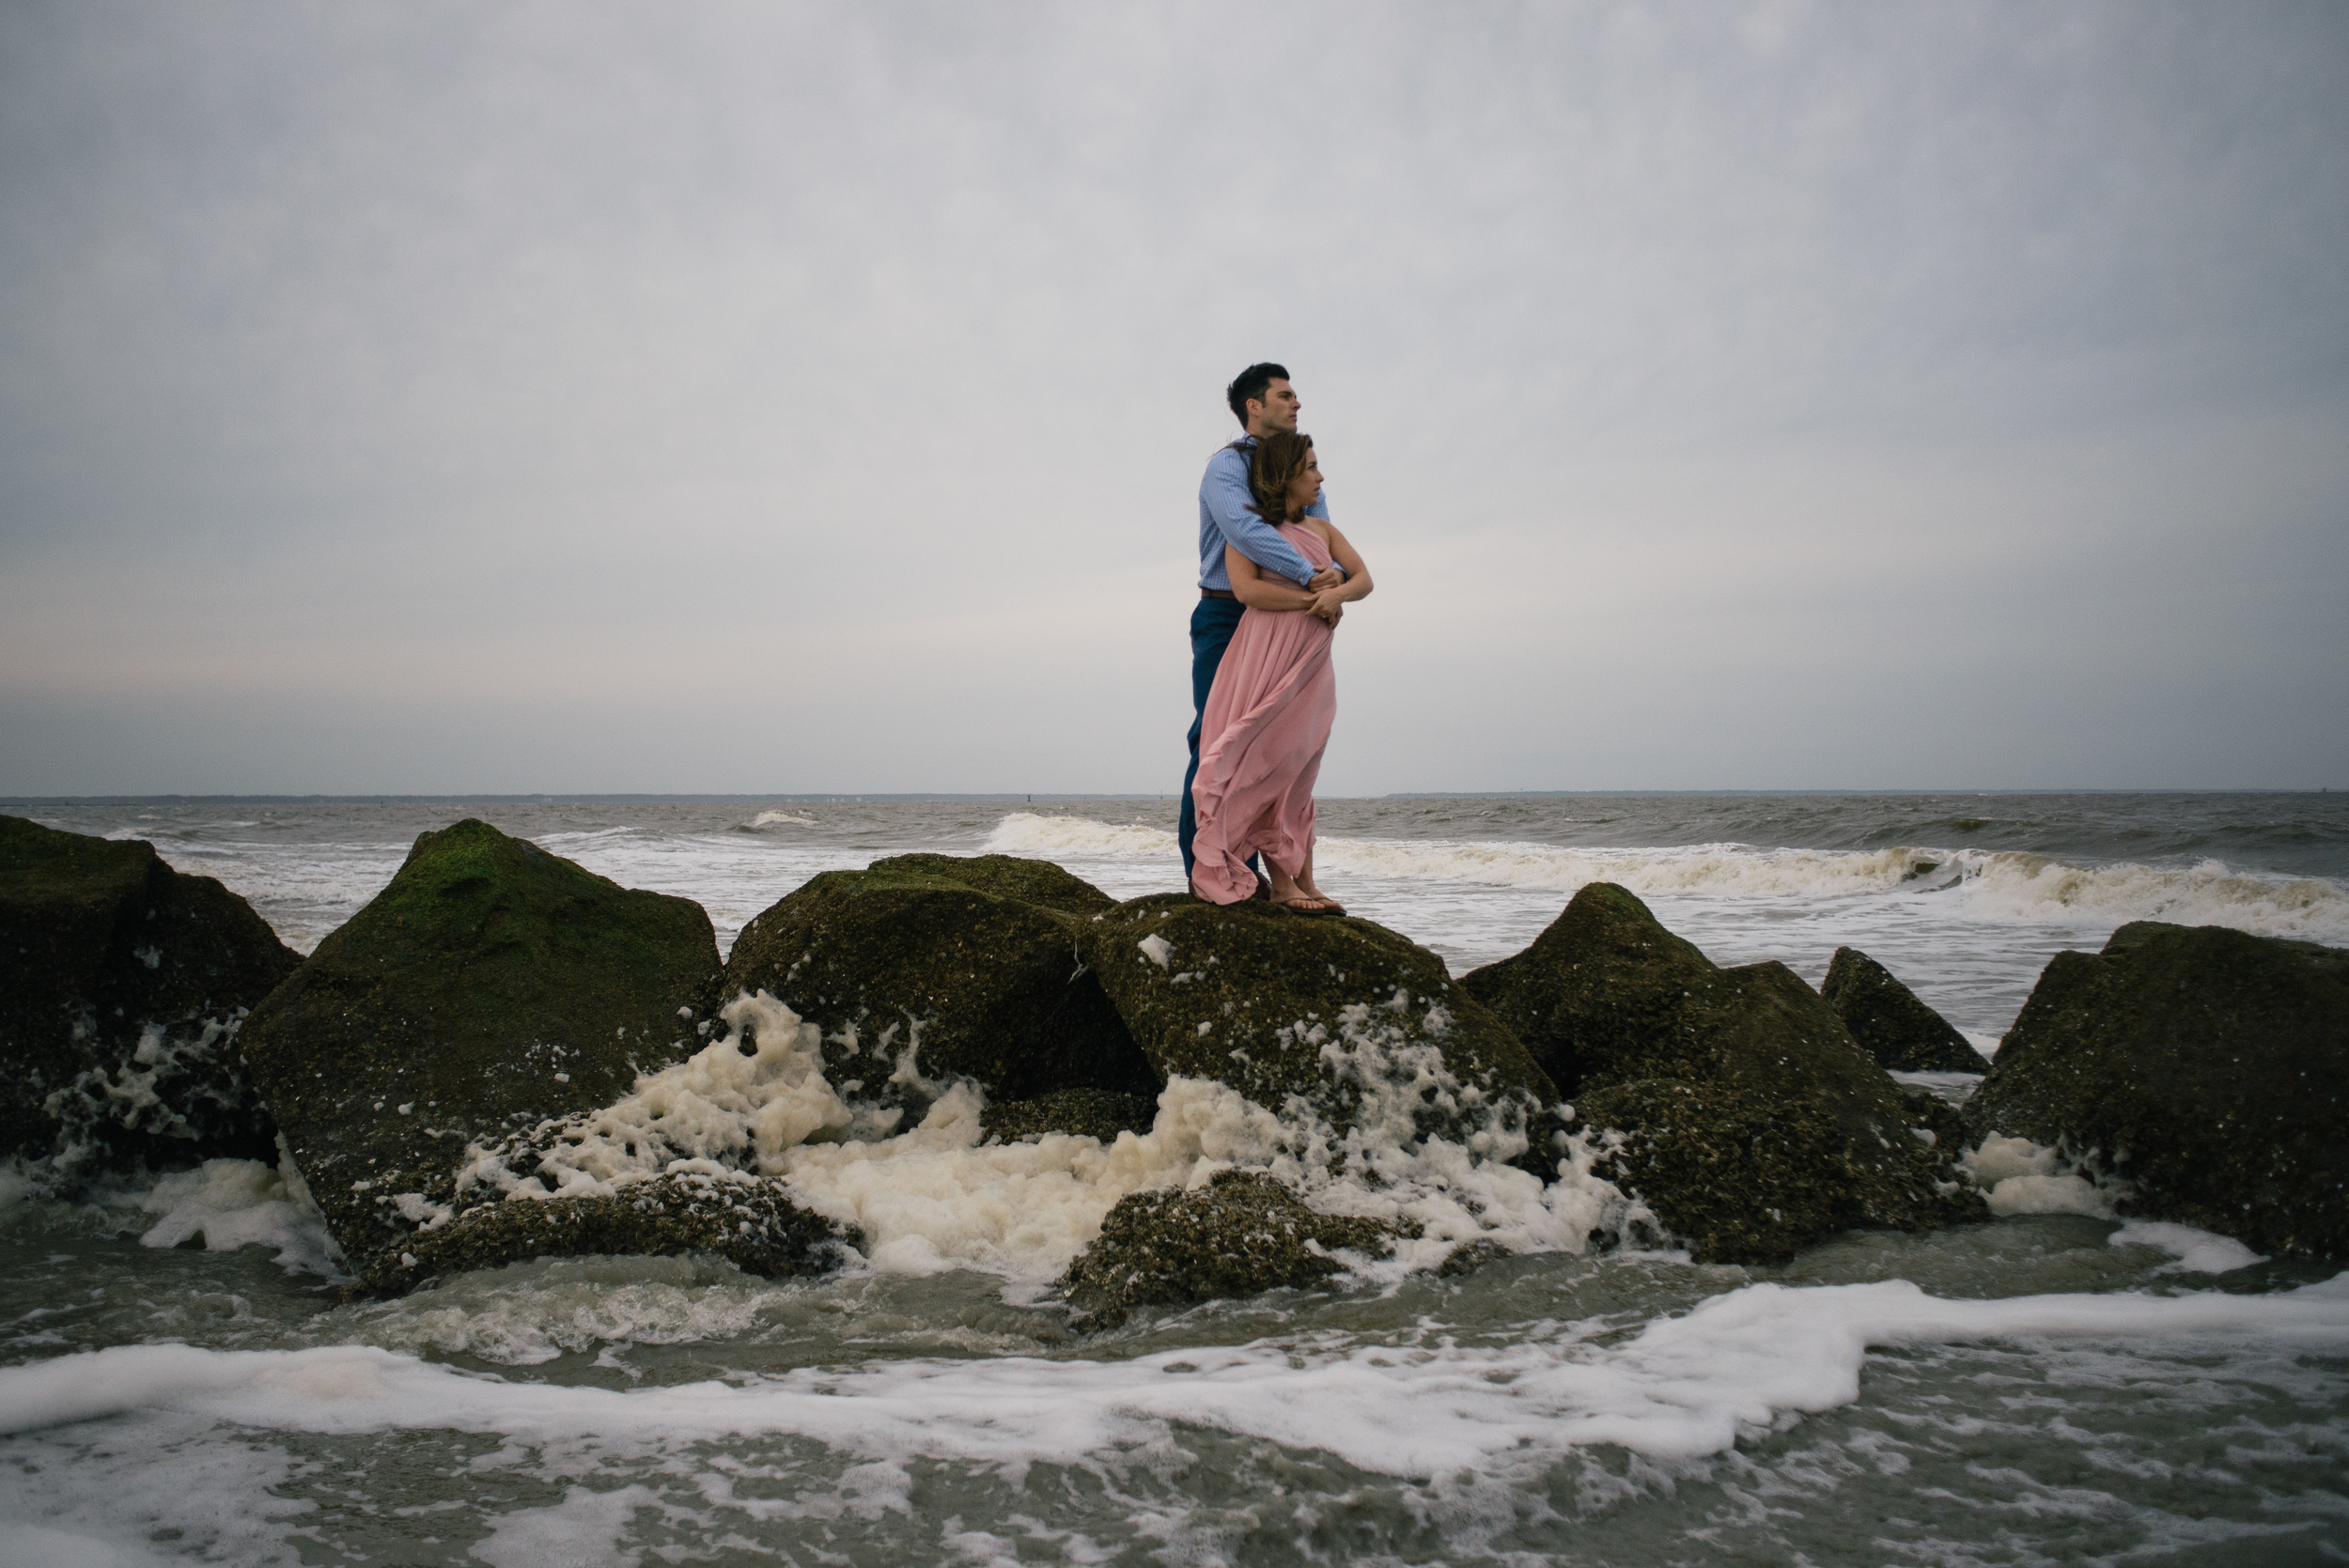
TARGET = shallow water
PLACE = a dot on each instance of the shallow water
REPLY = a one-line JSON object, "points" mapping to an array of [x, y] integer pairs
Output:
{"points": [[2037, 1390]]}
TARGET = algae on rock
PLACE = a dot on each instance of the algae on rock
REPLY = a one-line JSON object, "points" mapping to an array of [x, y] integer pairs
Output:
{"points": [[489, 989], [924, 967], [1888, 1021], [123, 984], [1341, 1015], [1733, 1101], [1242, 1233], [751, 1221], [2210, 1068], [1080, 1112]]}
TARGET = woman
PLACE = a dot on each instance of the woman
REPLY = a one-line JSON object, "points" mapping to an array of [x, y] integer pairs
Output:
{"points": [[1269, 712]]}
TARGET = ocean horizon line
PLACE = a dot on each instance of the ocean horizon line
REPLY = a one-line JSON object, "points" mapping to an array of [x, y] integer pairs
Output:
{"points": [[1042, 796]]}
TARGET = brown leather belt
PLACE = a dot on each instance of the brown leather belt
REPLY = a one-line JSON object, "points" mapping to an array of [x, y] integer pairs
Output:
{"points": [[1216, 593]]}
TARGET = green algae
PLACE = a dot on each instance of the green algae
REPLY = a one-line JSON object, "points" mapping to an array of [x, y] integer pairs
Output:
{"points": [[491, 986], [970, 976], [1081, 1112], [1279, 1006], [1242, 1233], [1733, 1101], [2209, 1066], [750, 1222]]}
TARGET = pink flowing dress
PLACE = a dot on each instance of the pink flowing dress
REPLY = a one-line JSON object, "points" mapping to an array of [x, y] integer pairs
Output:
{"points": [[1260, 744]]}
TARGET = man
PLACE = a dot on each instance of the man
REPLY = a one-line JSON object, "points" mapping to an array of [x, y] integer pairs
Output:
{"points": [[1264, 402]]}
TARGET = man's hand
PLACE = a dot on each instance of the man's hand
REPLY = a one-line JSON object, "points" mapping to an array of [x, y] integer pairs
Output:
{"points": [[1328, 577], [1327, 605]]}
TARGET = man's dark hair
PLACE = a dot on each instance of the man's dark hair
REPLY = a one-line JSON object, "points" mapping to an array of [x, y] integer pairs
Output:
{"points": [[1248, 386]]}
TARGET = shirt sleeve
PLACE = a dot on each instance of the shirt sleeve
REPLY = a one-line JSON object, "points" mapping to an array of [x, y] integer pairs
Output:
{"points": [[1225, 491]]}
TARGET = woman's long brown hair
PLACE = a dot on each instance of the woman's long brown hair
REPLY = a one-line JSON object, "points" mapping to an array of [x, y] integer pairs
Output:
{"points": [[1280, 457]]}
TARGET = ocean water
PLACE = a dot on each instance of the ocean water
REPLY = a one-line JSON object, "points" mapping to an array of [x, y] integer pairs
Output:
{"points": [[180, 1379]]}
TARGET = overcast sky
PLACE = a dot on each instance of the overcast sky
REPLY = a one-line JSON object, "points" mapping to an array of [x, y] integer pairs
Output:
{"points": [[594, 396]]}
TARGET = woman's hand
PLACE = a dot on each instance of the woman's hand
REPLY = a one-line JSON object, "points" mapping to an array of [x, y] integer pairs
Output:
{"points": [[1330, 604]]}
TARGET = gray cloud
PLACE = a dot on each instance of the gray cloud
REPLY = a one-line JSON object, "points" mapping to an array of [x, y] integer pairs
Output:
{"points": [[448, 398]]}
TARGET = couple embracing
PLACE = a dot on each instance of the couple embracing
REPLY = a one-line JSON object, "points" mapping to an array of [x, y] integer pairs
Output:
{"points": [[1275, 576]]}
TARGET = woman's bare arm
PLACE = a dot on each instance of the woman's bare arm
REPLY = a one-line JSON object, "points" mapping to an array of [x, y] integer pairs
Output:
{"points": [[1252, 588], [1357, 585]]}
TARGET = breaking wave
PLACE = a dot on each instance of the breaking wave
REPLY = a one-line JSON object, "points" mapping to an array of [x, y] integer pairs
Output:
{"points": [[1681, 1388], [1994, 885]]}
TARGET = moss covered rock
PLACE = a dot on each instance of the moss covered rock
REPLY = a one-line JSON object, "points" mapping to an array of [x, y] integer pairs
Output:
{"points": [[1242, 1233], [489, 987], [1602, 993], [1012, 876], [1889, 1023], [123, 984], [1340, 1014], [926, 968], [1733, 1101], [1081, 1112], [750, 1221], [2209, 1067]]}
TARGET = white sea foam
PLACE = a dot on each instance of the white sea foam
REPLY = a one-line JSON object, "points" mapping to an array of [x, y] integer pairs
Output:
{"points": [[1999, 886], [2018, 1176], [934, 1197], [533, 1312], [34, 1547], [2192, 1250], [1684, 1387], [580, 1532], [239, 1202], [778, 818]]}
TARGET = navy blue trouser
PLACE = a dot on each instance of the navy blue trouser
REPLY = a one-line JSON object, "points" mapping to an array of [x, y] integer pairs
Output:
{"points": [[1211, 627]]}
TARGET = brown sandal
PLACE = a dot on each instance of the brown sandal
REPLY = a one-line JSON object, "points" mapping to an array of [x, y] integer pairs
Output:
{"points": [[1296, 906]]}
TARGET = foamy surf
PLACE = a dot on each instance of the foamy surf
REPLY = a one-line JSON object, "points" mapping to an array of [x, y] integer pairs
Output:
{"points": [[2122, 1436], [1984, 885], [1683, 1387], [937, 1196]]}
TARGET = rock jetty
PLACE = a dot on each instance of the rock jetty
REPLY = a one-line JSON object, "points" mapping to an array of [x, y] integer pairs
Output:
{"points": [[489, 992], [1733, 1101], [123, 984], [2206, 1069], [504, 1056]]}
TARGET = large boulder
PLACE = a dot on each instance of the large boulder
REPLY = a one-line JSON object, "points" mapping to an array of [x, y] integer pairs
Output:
{"points": [[922, 969], [491, 991], [1733, 1101], [123, 984], [2208, 1068], [1338, 1018], [1889, 1023], [1602, 993], [1242, 1233]]}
